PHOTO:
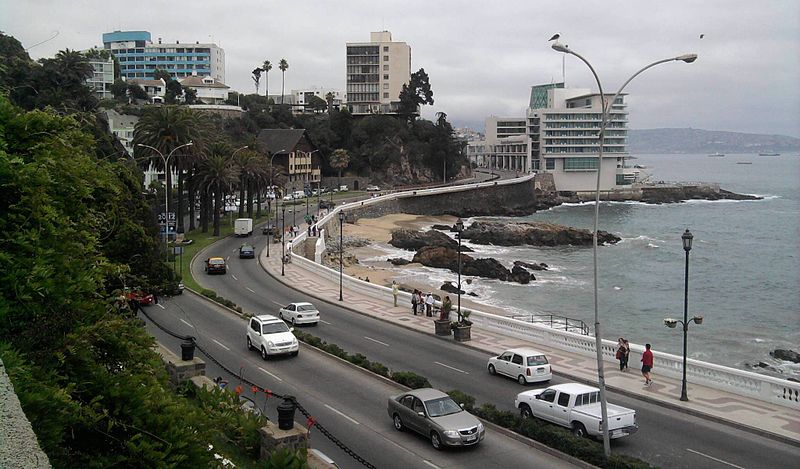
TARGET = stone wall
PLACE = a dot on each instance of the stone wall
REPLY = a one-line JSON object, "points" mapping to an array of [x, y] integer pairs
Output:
{"points": [[19, 448]]}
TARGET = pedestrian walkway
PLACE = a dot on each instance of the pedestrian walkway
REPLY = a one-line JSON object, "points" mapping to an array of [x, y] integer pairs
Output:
{"points": [[751, 414]]}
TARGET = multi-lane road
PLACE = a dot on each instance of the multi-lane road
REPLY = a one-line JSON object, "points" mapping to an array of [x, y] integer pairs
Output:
{"points": [[666, 438]]}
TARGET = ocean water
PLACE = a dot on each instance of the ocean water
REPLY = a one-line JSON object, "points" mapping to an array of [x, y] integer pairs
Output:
{"points": [[744, 266]]}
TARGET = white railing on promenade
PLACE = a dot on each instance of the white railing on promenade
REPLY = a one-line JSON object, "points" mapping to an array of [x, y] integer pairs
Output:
{"points": [[744, 383]]}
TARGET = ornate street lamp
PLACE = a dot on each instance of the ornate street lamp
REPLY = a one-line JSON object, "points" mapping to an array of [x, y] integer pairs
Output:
{"points": [[605, 111], [341, 250], [269, 212], [283, 240], [459, 229]]}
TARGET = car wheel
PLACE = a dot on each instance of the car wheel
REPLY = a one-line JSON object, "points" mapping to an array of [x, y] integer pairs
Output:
{"points": [[521, 379], [264, 353], [249, 344], [436, 441], [280, 315], [492, 370], [295, 353], [398, 423], [578, 430], [525, 411]]}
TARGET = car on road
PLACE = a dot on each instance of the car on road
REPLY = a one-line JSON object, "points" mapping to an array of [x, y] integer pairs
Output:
{"points": [[216, 265], [299, 313], [268, 229], [271, 336], [144, 299], [526, 365], [436, 416], [373, 188], [247, 251]]}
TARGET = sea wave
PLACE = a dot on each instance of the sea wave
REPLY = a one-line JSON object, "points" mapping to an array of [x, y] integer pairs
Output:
{"points": [[390, 253]]}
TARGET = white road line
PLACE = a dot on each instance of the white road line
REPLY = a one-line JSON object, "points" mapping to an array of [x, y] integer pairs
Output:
{"points": [[267, 372], [221, 345], [454, 369], [186, 323], [279, 304], [234, 249], [342, 414], [713, 458], [430, 464], [234, 277], [249, 289], [324, 322], [161, 306], [227, 258], [376, 341]]}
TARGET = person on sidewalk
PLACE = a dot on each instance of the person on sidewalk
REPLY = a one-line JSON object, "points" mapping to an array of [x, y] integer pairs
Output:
{"points": [[395, 292], [447, 305], [622, 353], [647, 365], [414, 301], [429, 305]]}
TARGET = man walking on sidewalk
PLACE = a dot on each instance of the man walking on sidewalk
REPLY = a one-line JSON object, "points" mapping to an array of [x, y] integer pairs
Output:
{"points": [[647, 365], [395, 291]]}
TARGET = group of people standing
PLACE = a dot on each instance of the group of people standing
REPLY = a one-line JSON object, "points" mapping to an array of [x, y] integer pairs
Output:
{"points": [[422, 304], [623, 353]]}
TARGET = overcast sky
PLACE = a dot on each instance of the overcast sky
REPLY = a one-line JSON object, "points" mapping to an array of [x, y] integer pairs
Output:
{"points": [[482, 57]]}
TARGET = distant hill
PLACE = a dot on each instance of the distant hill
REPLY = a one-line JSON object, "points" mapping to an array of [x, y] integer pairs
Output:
{"points": [[707, 141]]}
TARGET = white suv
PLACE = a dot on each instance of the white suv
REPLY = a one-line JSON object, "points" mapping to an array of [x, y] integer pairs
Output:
{"points": [[271, 336]]}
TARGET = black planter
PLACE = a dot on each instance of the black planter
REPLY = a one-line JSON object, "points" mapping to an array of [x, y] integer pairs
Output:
{"points": [[187, 350], [442, 327], [462, 333], [286, 413]]}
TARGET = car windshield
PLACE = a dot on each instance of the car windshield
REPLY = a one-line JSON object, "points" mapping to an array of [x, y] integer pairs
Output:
{"points": [[537, 360], [274, 328], [247, 248], [306, 308], [442, 406], [216, 261]]}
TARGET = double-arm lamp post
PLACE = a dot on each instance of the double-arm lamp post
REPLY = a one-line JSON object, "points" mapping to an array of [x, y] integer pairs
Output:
{"points": [[166, 188], [671, 323], [459, 229], [606, 109], [275, 195]]}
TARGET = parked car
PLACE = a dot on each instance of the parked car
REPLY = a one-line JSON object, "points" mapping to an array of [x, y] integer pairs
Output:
{"points": [[577, 407], [247, 251], [268, 229], [343, 188], [271, 336], [526, 365], [299, 313], [298, 194], [216, 265], [288, 197], [436, 416], [373, 188], [144, 299]]}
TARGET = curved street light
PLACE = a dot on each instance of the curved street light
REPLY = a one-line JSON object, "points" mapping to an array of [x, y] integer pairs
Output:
{"points": [[166, 189], [341, 251], [459, 229], [606, 109], [283, 241]]}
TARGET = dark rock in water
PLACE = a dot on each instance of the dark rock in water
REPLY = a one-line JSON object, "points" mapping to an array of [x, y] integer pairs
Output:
{"points": [[486, 267], [532, 266], [793, 379], [680, 193], [786, 355], [443, 228], [450, 288], [447, 258], [520, 275], [399, 261], [472, 294], [534, 234], [414, 240], [440, 257]]}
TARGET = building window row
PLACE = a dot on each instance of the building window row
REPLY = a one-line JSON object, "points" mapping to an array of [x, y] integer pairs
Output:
{"points": [[588, 141], [363, 50], [359, 88], [362, 97], [361, 60], [580, 164], [362, 69], [584, 125], [363, 78]]}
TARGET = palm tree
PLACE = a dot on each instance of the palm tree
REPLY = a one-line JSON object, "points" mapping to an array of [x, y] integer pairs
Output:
{"points": [[72, 67], [340, 159], [248, 163], [218, 174], [166, 128], [283, 66], [266, 67]]}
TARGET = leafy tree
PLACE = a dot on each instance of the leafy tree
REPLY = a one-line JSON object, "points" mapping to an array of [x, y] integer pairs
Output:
{"points": [[190, 95], [414, 94], [137, 92], [266, 67], [119, 89], [340, 159], [317, 104], [256, 77], [283, 66]]}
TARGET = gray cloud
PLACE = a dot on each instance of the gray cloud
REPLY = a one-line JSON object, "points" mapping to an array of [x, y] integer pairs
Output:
{"points": [[482, 57]]}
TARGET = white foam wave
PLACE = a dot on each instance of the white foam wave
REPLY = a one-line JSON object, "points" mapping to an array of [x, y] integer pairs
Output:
{"points": [[390, 253], [651, 245]]}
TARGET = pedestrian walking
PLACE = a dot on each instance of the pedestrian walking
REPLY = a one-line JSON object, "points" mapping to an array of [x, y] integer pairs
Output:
{"points": [[622, 353], [429, 305], [447, 305], [647, 365], [395, 291], [414, 301]]}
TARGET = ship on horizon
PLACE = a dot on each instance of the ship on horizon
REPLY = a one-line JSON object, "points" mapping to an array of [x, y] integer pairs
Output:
{"points": [[769, 154], [716, 154]]}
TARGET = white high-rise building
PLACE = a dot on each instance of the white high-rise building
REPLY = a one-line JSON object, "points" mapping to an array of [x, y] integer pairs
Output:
{"points": [[376, 73]]}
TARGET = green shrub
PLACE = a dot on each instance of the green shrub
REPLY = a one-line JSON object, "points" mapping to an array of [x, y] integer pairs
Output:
{"points": [[334, 349], [360, 360], [410, 379], [379, 368], [209, 293], [462, 398]]}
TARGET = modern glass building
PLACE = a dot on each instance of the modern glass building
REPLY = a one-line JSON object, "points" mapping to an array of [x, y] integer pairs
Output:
{"points": [[139, 57]]}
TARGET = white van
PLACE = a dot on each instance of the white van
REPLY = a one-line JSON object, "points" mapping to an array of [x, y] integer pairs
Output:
{"points": [[298, 195]]}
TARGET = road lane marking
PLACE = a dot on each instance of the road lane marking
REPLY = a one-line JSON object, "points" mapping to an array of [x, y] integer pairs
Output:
{"points": [[454, 369], [161, 306], [227, 258], [234, 249], [376, 341], [713, 458], [221, 344], [186, 323], [234, 277], [343, 415], [249, 289], [430, 464], [267, 372], [324, 322]]}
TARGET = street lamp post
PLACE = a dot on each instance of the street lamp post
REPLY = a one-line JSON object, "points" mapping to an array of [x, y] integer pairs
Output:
{"points": [[459, 229], [269, 230], [341, 250], [605, 111], [671, 323], [166, 188], [283, 241]]}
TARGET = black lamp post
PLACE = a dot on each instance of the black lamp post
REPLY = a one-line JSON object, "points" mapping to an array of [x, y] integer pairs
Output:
{"points": [[671, 323], [283, 241], [269, 230], [341, 251], [459, 229]]}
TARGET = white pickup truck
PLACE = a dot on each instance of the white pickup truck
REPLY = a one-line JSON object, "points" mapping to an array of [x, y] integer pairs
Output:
{"points": [[577, 407]]}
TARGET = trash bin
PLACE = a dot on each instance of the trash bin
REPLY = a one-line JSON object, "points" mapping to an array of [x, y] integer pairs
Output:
{"points": [[286, 413], [187, 350]]}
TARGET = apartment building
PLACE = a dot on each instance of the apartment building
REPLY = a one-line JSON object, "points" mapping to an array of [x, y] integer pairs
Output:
{"points": [[303, 97], [563, 126], [292, 150], [504, 146], [102, 77], [139, 57], [376, 73]]}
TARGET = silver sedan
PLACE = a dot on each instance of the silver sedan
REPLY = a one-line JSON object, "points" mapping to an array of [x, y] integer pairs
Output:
{"points": [[435, 415]]}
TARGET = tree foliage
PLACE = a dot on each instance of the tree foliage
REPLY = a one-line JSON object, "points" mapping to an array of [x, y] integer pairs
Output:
{"points": [[415, 93]]}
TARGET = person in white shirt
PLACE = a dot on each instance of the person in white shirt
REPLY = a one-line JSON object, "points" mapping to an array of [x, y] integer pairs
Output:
{"points": [[429, 305]]}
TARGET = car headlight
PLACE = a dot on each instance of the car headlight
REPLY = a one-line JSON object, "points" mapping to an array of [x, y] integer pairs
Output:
{"points": [[294, 341], [270, 344], [480, 427], [451, 433]]}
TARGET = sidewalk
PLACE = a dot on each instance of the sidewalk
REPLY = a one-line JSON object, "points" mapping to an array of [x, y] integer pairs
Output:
{"points": [[749, 414]]}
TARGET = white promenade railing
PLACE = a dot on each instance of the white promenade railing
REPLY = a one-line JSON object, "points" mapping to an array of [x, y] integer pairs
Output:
{"points": [[744, 383]]}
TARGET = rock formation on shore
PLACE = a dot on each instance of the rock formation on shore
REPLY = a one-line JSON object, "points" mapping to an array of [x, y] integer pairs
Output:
{"points": [[534, 234], [447, 258], [668, 195], [414, 240], [786, 355]]}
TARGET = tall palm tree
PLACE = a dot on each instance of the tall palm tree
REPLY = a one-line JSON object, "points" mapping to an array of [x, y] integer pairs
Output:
{"points": [[166, 128], [248, 164], [266, 67], [284, 65], [218, 174], [340, 159]]}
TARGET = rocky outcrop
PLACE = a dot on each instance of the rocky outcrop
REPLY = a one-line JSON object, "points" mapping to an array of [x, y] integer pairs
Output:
{"points": [[450, 288], [447, 258], [521, 275], [786, 355], [668, 195], [442, 228], [534, 234], [532, 266], [414, 240], [399, 261], [441, 258]]}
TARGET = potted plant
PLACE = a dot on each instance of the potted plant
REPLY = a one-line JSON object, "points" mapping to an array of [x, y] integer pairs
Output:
{"points": [[442, 324], [463, 327]]}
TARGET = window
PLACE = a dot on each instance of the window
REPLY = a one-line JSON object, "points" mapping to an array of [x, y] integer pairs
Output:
{"points": [[255, 326], [580, 164], [537, 360], [385, 77], [385, 58], [386, 48], [563, 400], [407, 401], [516, 359], [548, 395], [550, 163], [385, 68], [418, 407], [505, 357], [385, 95], [386, 86]]}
